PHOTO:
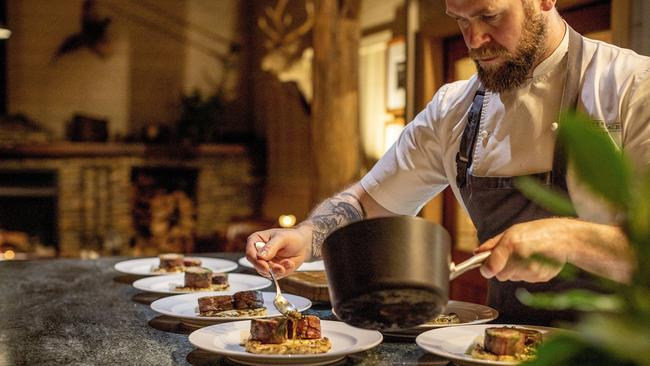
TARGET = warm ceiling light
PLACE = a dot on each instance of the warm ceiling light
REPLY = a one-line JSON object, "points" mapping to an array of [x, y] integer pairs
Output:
{"points": [[287, 220], [9, 254], [4, 33]]}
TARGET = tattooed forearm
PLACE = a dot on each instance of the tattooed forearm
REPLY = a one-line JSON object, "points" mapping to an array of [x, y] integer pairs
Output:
{"points": [[332, 214]]}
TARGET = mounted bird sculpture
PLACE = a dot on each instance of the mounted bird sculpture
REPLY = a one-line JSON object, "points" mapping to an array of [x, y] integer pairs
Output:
{"points": [[94, 33]]}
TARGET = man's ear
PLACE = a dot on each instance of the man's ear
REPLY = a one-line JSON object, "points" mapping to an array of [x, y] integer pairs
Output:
{"points": [[547, 5]]}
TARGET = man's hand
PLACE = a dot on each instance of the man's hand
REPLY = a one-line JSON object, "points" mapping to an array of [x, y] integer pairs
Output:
{"points": [[536, 251], [533, 251], [285, 249]]}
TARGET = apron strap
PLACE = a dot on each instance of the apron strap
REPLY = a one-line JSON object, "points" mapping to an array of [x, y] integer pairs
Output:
{"points": [[569, 99], [465, 153]]}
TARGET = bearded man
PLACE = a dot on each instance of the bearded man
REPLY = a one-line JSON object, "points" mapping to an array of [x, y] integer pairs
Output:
{"points": [[477, 135]]}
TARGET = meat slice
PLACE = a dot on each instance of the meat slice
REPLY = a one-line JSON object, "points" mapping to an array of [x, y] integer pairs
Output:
{"points": [[191, 262], [273, 331], [170, 261], [532, 337], [219, 303], [219, 278], [198, 277], [248, 300], [504, 341], [307, 327]]}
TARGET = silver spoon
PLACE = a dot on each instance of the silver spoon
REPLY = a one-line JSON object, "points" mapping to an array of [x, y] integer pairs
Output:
{"points": [[280, 302]]}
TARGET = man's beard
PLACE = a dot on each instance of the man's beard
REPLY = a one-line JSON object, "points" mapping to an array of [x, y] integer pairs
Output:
{"points": [[518, 65]]}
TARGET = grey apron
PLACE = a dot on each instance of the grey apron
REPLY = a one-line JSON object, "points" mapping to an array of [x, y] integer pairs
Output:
{"points": [[494, 204]]}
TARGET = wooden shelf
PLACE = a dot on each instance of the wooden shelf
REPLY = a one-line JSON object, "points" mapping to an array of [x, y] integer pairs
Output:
{"points": [[104, 149]]}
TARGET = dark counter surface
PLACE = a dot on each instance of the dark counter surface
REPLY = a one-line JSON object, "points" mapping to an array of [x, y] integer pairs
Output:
{"points": [[83, 312]]}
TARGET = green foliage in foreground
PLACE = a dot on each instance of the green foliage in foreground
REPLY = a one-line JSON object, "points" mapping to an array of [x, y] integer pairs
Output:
{"points": [[616, 330]]}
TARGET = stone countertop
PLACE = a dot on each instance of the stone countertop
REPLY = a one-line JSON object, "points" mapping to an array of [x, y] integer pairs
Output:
{"points": [[83, 312]]}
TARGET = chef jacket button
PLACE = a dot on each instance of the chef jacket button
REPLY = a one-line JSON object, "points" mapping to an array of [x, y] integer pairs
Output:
{"points": [[554, 126], [484, 134]]}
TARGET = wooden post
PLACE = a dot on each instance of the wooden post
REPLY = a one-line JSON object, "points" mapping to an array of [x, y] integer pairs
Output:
{"points": [[335, 109]]}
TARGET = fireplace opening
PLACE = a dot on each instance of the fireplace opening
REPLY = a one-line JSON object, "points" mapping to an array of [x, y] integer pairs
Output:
{"points": [[28, 211], [164, 209]]}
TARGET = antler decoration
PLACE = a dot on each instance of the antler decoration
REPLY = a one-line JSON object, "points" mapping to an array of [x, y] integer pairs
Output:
{"points": [[277, 30]]}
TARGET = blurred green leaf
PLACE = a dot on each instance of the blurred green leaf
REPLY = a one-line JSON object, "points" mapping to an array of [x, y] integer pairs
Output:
{"points": [[568, 271], [638, 229], [557, 350], [542, 259], [553, 201], [570, 349], [577, 299], [618, 334], [616, 330], [639, 299], [597, 160]]}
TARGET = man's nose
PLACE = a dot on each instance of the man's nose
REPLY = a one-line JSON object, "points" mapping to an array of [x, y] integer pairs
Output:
{"points": [[476, 36]]}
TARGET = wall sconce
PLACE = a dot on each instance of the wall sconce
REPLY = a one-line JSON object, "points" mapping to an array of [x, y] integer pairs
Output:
{"points": [[5, 33], [8, 255], [392, 130], [286, 220]]}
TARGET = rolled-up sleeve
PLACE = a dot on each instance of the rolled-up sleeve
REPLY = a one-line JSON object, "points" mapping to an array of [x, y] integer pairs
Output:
{"points": [[411, 172]]}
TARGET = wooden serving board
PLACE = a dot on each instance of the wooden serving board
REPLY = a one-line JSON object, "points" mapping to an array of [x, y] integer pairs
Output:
{"points": [[312, 285]]}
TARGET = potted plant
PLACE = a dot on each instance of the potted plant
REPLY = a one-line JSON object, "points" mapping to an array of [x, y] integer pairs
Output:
{"points": [[615, 329]]}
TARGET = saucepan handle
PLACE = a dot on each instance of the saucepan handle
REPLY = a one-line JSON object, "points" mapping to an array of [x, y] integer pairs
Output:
{"points": [[476, 261]]}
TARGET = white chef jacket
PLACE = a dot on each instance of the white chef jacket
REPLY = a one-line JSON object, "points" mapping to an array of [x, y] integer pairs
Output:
{"points": [[517, 129]]}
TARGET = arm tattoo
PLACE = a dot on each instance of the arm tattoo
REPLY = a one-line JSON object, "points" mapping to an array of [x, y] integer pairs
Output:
{"points": [[336, 212]]}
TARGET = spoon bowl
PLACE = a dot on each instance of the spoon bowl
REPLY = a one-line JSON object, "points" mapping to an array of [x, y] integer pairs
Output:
{"points": [[281, 303]]}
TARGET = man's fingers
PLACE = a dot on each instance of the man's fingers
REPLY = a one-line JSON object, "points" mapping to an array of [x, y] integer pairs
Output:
{"points": [[288, 267], [508, 273], [488, 244], [270, 248], [260, 265], [496, 262]]}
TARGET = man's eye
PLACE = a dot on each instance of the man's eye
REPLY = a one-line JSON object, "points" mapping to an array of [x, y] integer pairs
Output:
{"points": [[489, 17]]}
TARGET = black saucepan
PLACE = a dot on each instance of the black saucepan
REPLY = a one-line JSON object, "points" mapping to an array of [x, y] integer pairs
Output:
{"points": [[391, 273]]}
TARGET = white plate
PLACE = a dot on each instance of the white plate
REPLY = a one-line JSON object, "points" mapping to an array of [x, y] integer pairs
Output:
{"points": [[144, 266], [167, 284], [453, 342], [468, 314], [225, 339], [305, 267], [185, 307]]}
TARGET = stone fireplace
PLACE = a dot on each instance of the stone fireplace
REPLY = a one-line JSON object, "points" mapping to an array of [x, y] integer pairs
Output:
{"points": [[94, 190], [28, 204]]}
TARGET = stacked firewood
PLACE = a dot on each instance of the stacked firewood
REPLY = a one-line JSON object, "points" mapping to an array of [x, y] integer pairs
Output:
{"points": [[164, 221], [172, 222]]}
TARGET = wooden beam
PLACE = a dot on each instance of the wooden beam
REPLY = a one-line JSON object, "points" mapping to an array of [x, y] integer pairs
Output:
{"points": [[335, 110]]}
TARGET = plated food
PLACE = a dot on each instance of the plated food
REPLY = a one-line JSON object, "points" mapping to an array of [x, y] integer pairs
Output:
{"points": [[172, 263], [203, 279], [175, 283], [287, 336], [242, 303], [484, 344], [186, 307], [445, 319], [226, 339], [150, 266], [506, 344]]}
